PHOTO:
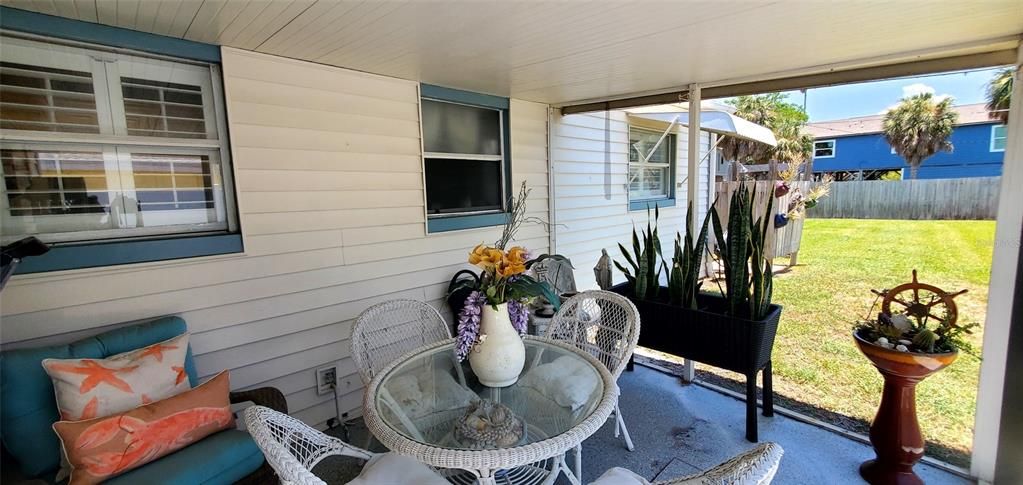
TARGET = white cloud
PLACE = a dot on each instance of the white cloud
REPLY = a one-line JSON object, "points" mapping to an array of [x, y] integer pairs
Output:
{"points": [[915, 89]]}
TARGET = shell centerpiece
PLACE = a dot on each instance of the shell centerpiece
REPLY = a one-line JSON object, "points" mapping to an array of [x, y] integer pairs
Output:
{"points": [[487, 424]]}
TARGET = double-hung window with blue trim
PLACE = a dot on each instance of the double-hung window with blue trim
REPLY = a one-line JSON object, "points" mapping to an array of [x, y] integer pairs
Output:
{"points": [[652, 156], [465, 157], [101, 145]]}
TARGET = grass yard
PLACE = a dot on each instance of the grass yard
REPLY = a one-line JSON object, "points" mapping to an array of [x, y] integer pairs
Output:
{"points": [[816, 362]]}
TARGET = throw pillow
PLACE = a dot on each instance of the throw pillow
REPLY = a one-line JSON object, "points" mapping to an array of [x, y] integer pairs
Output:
{"points": [[101, 448], [620, 476], [94, 388], [569, 381], [392, 468]]}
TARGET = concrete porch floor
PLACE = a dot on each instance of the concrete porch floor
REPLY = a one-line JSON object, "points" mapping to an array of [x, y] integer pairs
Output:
{"points": [[682, 429]]}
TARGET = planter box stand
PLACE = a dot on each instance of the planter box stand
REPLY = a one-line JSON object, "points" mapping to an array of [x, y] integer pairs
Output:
{"points": [[711, 338]]}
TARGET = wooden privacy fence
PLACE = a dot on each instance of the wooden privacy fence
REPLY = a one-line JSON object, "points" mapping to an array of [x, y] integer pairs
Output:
{"points": [[965, 198], [783, 241]]}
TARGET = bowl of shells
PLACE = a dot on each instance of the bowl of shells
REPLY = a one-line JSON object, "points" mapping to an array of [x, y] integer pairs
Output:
{"points": [[487, 424]]}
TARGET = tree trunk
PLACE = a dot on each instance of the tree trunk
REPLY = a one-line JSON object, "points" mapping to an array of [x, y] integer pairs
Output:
{"points": [[914, 166]]}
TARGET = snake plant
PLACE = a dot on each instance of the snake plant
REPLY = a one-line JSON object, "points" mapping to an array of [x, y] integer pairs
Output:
{"points": [[645, 271], [684, 278], [748, 274]]}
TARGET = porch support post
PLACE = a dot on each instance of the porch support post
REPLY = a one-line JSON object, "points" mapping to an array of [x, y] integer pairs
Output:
{"points": [[1000, 296], [692, 183]]}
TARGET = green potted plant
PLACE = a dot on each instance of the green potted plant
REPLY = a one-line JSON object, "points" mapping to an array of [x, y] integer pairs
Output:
{"points": [[733, 330]]}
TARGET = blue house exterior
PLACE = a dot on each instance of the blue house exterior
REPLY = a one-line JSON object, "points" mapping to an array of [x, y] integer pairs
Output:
{"points": [[978, 148]]}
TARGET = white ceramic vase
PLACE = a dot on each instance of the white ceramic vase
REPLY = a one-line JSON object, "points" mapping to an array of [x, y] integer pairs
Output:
{"points": [[499, 355]]}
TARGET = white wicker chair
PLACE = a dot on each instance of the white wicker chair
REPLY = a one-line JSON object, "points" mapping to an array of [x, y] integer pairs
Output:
{"points": [[606, 325], [756, 466], [292, 448], [388, 330]]}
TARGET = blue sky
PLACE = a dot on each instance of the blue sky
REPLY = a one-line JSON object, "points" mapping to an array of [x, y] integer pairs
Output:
{"points": [[872, 98]]}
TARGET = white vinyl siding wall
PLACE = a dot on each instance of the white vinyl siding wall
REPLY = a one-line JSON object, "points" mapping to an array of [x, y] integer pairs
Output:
{"points": [[588, 221], [330, 189]]}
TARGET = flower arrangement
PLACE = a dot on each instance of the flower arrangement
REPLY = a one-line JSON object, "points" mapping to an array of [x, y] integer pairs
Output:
{"points": [[917, 329], [502, 279]]}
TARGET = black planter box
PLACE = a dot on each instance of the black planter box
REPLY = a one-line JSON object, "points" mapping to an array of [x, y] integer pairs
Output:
{"points": [[708, 336]]}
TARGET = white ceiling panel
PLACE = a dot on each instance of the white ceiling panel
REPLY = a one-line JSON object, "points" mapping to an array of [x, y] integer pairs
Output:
{"points": [[562, 51]]}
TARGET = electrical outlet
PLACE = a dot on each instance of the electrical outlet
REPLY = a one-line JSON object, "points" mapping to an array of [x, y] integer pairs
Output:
{"points": [[326, 379]]}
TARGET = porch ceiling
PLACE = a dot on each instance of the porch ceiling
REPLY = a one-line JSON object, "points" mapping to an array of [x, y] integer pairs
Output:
{"points": [[564, 51]]}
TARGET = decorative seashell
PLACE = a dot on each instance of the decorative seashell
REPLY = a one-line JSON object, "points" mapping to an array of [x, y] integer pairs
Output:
{"points": [[905, 342], [902, 348], [901, 322], [881, 341]]}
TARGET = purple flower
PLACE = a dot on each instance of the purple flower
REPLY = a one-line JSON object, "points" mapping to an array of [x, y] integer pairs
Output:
{"points": [[519, 313], [469, 324]]}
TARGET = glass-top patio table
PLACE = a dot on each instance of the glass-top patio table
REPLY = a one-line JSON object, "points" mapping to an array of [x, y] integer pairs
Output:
{"points": [[414, 405]]}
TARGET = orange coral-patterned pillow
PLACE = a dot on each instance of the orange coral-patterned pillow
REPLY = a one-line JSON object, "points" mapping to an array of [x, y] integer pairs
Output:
{"points": [[101, 448], [93, 388]]}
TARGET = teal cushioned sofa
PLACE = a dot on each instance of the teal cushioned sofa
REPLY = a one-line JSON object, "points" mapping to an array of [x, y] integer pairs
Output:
{"points": [[28, 410]]}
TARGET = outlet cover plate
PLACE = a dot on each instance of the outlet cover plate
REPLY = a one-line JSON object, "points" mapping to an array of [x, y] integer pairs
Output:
{"points": [[325, 378]]}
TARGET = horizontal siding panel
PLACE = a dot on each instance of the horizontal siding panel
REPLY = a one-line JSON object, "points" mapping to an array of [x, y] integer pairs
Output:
{"points": [[262, 245], [320, 120], [300, 319], [259, 351], [397, 232], [319, 160], [37, 297], [285, 72], [300, 181], [280, 137], [305, 378], [271, 223], [249, 91], [319, 200], [594, 121]]}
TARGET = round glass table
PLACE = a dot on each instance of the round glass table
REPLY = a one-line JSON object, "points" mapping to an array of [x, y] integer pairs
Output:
{"points": [[431, 407]]}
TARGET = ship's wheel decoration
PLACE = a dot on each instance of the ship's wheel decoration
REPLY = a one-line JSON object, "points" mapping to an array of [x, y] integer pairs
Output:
{"points": [[922, 301]]}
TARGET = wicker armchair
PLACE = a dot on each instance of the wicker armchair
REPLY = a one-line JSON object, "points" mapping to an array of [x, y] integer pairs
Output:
{"points": [[606, 325], [756, 466], [388, 330], [293, 448]]}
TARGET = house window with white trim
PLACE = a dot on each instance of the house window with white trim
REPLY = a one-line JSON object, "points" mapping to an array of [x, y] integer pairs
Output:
{"points": [[998, 138], [824, 149], [100, 144], [651, 164]]}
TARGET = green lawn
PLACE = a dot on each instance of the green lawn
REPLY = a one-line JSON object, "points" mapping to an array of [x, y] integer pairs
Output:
{"points": [[815, 360]]}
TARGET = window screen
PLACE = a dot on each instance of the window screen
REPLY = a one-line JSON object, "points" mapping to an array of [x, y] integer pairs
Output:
{"points": [[464, 158]]}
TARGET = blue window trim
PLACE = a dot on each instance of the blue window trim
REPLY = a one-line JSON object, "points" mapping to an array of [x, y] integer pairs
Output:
{"points": [[437, 224], [59, 27], [93, 255], [640, 205], [457, 223], [101, 254]]}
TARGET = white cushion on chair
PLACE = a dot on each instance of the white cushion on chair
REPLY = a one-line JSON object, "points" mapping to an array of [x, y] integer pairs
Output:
{"points": [[568, 381], [620, 476], [393, 469]]}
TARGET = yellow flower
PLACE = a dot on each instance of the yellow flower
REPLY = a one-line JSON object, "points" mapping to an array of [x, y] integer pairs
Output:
{"points": [[516, 255], [485, 257]]}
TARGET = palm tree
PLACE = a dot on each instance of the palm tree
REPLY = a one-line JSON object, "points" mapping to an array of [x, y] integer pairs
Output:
{"points": [[784, 119], [919, 127], [999, 90]]}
